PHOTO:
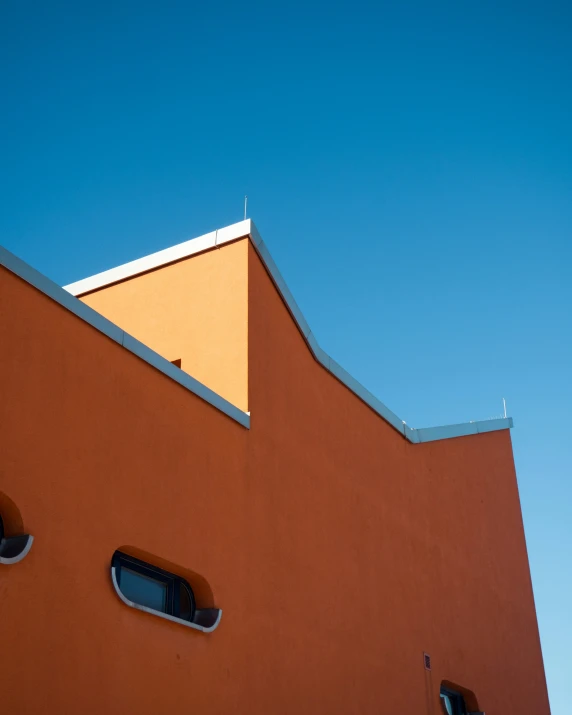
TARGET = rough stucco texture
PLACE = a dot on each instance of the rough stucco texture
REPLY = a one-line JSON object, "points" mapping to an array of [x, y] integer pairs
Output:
{"points": [[338, 551], [378, 548]]}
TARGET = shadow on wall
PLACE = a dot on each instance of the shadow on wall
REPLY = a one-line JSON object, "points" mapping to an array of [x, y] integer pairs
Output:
{"points": [[14, 543], [429, 695], [13, 523]]}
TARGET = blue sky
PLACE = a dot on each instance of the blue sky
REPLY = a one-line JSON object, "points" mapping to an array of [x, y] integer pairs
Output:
{"points": [[408, 164]]}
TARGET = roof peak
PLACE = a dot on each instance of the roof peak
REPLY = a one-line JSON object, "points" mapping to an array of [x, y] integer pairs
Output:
{"points": [[220, 236], [247, 229]]}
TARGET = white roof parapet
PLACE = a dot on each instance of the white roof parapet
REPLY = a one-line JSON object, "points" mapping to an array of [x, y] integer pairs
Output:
{"points": [[247, 229], [89, 315], [161, 258]]}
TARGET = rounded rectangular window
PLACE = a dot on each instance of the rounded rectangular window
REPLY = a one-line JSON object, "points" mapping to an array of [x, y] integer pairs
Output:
{"points": [[15, 547], [152, 587], [452, 702]]}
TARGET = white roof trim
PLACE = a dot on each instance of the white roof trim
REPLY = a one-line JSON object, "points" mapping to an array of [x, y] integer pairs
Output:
{"points": [[84, 312], [245, 229], [161, 258]]}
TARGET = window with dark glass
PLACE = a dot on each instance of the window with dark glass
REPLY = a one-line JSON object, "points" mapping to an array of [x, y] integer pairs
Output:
{"points": [[13, 548], [452, 702], [152, 587]]}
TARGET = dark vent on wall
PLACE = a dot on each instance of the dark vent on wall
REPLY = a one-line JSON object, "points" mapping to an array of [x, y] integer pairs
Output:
{"points": [[427, 661]]}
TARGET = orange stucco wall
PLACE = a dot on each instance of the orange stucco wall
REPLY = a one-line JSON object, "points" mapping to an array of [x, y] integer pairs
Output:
{"points": [[384, 548], [195, 310], [338, 551]]}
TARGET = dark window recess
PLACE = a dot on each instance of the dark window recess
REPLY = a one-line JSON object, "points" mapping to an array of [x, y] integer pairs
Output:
{"points": [[177, 362], [427, 661], [452, 702], [13, 548], [153, 587]]}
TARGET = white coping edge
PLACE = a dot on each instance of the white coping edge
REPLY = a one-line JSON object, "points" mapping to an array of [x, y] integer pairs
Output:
{"points": [[21, 555], [161, 258], [89, 315], [247, 229], [166, 616]]}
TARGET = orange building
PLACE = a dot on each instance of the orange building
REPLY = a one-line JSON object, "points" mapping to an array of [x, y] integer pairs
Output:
{"points": [[225, 521]]}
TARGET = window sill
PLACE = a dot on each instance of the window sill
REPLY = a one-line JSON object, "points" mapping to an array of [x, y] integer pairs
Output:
{"points": [[18, 550]]}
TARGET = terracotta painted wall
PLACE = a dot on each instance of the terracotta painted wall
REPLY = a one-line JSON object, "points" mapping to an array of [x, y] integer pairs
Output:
{"points": [[100, 450], [337, 551], [377, 549], [195, 310]]}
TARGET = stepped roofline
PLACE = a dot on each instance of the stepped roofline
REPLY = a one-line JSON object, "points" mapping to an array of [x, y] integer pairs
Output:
{"points": [[235, 232], [247, 229]]}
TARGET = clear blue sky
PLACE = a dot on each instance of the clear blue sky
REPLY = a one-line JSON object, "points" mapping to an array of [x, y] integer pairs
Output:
{"points": [[408, 164]]}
